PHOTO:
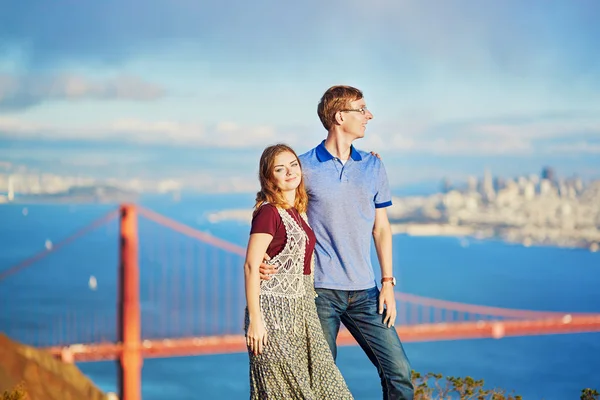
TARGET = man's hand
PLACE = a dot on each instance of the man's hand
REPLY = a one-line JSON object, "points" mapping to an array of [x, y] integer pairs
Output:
{"points": [[387, 298], [265, 270]]}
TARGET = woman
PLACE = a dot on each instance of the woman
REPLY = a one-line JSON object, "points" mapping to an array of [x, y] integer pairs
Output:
{"points": [[289, 358]]}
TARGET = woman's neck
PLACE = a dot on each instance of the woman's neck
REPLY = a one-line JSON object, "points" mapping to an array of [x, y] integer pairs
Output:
{"points": [[290, 197]]}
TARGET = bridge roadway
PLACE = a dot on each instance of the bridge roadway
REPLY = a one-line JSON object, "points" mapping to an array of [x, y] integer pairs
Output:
{"points": [[194, 346]]}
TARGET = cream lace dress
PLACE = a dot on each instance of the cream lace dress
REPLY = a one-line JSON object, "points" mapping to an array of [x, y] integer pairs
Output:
{"points": [[297, 362]]}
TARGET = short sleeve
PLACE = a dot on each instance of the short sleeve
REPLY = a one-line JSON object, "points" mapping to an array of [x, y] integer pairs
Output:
{"points": [[383, 197], [266, 220]]}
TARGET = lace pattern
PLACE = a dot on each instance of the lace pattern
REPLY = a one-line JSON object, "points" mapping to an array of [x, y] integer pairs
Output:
{"points": [[280, 297]]}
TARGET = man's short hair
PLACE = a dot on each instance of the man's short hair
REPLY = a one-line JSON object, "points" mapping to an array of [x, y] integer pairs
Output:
{"points": [[335, 99]]}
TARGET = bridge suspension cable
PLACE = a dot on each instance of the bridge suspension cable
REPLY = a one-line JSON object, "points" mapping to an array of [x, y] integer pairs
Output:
{"points": [[191, 232], [56, 246], [477, 309]]}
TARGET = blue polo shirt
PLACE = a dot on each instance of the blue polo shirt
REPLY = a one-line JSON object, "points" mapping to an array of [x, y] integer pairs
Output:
{"points": [[341, 212]]}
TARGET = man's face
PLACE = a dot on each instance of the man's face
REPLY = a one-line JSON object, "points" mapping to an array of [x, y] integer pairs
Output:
{"points": [[355, 119]]}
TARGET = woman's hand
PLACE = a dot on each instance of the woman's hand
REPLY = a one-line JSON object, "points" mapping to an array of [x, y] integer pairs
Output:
{"points": [[376, 155], [256, 338]]}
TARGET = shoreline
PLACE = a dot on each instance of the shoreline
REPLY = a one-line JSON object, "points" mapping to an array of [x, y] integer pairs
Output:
{"points": [[520, 235], [507, 234], [471, 232]]}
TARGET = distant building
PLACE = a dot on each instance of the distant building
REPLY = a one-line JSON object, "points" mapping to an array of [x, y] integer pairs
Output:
{"points": [[529, 191], [472, 184], [487, 186], [499, 183], [535, 179], [548, 174], [446, 185], [545, 187], [11, 190]]}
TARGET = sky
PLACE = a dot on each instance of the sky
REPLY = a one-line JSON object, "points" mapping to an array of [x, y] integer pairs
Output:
{"points": [[174, 88]]}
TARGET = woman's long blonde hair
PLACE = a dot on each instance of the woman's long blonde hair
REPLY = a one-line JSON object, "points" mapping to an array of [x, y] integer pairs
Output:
{"points": [[269, 192]]}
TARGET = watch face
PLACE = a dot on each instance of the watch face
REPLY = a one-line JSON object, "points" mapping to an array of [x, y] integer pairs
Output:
{"points": [[394, 281]]}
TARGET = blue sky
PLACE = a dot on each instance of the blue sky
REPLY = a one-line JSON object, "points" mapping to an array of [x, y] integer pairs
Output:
{"points": [[171, 88]]}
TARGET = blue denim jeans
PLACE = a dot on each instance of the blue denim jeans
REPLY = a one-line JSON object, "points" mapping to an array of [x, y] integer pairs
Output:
{"points": [[358, 312]]}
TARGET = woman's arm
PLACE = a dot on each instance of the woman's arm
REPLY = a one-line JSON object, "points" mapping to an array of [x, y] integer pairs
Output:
{"points": [[257, 333]]}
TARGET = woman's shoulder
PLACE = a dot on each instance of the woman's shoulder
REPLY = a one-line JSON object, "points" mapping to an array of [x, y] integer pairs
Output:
{"points": [[266, 210], [267, 207], [266, 219]]}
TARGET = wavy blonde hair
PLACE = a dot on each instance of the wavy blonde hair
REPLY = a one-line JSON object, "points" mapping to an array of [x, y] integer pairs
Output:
{"points": [[269, 192]]}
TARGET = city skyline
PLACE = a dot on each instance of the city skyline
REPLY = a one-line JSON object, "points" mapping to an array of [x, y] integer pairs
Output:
{"points": [[21, 181], [163, 89]]}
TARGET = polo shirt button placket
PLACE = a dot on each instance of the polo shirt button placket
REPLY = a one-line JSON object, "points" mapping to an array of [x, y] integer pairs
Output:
{"points": [[344, 174], [337, 162]]}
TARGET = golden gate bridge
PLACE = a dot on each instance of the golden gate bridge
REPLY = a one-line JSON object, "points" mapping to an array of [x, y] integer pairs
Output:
{"points": [[181, 293]]}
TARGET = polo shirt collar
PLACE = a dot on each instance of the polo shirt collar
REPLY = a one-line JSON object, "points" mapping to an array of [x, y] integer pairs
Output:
{"points": [[324, 155]]}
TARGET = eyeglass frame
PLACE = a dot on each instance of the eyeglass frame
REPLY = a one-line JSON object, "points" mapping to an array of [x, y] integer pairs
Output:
{"points": [[362, 110]]}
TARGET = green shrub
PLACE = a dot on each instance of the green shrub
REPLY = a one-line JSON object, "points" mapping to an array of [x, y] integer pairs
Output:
{"points": [[435, 386], [589, 394]]}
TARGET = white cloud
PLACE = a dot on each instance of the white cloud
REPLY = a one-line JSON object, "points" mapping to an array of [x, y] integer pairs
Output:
{"points": [[574, 148], [572, 135], [227, 126], [150, 132], [18, 92], [568, 135], [542, 129]]}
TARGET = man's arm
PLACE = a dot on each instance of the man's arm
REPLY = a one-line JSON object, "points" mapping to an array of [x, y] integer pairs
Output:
{"points": [[382, 235]]}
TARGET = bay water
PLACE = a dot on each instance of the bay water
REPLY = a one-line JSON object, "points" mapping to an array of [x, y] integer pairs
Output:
{"points": [[490, 273]]}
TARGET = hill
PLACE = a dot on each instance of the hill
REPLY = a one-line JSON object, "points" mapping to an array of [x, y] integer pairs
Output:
{"points": [[42, 376]]}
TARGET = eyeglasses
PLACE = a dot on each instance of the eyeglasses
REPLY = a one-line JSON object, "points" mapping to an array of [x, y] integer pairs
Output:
{"points": [[362, 110]]}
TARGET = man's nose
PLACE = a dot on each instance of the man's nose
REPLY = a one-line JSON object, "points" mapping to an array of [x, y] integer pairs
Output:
{"points": [[369, 115]]}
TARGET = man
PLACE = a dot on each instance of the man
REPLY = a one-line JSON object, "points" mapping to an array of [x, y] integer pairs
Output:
{"points": [[348, 194]]}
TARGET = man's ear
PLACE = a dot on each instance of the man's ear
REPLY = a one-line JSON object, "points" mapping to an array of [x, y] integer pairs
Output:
{"points": [[339, 118]]}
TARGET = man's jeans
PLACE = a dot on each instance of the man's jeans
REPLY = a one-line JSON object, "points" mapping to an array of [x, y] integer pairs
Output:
{"points": [[358, 311]]}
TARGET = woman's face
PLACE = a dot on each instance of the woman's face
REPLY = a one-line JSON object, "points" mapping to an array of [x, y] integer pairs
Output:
{"points": [[286, 171]]}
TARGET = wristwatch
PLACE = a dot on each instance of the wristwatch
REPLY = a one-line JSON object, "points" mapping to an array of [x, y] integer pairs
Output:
{"points": [[392, 280]]}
